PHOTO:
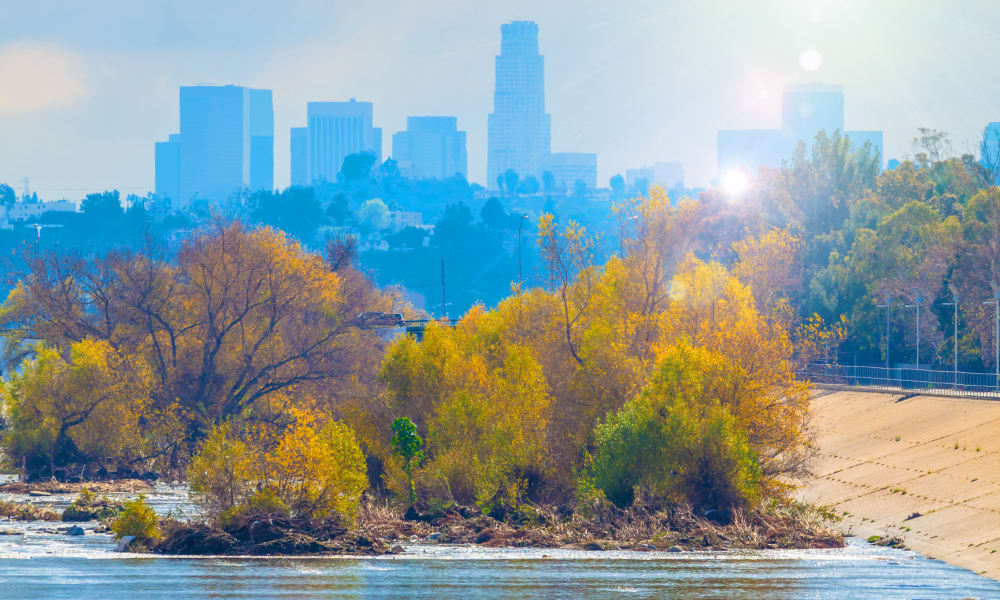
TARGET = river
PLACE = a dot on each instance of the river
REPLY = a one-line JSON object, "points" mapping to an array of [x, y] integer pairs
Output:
{"points": [[39, 564]]}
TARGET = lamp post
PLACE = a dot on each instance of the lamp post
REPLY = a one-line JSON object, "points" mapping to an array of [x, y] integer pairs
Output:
{"points": [[918, 298], [996, 328], [954, 302], [888, 311]]}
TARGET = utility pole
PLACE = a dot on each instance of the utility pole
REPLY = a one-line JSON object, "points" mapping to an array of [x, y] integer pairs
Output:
{"points": [[918, 298], [996, 328], [954, 302], [443, 313], [888, 311]]}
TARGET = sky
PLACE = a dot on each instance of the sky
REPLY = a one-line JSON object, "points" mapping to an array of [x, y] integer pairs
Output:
{"points": [[86, 88]]}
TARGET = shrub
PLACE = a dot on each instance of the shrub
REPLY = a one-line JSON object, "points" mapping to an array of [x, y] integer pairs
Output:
{"points": [[672, 445], [138, 520], [88, 507], [306, 471]]}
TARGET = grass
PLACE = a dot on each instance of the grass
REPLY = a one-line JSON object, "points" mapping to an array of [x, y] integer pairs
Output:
{"points": [[25, 511]]}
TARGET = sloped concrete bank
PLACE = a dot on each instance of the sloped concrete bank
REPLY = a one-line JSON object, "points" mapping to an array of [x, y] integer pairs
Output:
{"points": [[925, 469]]}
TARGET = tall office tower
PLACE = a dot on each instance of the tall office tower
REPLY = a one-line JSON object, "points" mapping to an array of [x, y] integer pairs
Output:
{"points": [[337, 129], [807, 108], [519, 130], [168, 169], [433, 145], [569, 167], [299, 150], [989, 147], [261, 140], [226, 144]]}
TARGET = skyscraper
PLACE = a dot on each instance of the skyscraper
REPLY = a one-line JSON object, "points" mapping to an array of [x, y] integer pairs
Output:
{"points": [[433, 145], [299, 151], [337, 129], [168, 169], [226, 144], [807, 109], [519, 130]]}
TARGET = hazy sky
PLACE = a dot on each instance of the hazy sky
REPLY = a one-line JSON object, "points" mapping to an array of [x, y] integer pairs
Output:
{"points": [[87, 87]]}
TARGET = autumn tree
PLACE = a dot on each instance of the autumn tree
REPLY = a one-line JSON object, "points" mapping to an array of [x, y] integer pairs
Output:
{"points": [[82, 406]]}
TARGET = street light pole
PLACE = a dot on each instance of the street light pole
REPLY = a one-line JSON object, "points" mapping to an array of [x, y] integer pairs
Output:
{"points": [[996, 328], [917, 299], [954, 302], [888, 311]]}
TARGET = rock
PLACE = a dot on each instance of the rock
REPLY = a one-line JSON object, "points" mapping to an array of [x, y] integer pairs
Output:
{"points": [[397, 549], [485, 536], [434, 536], [364, 542], [75, 530], [125, 542], [593, 546], [10, 532], [675, 549], [293, 543], [38, 493]]}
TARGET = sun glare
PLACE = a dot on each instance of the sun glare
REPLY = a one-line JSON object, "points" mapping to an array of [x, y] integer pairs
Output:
{"points": [[735, 183], [811, 60]]}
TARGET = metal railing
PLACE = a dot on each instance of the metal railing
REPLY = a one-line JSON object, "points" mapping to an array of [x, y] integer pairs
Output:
{"points": [[905, 380]]}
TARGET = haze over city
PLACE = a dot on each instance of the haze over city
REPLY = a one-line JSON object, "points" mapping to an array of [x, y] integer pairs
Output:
{"points": [[88, 88]]}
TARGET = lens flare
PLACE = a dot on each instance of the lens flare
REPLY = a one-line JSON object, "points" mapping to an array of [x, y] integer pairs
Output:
{"points": [[811, 60], [735, 183]]}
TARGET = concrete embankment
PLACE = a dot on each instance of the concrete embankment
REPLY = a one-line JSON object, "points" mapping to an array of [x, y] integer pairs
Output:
{"points": [[924, 468]]}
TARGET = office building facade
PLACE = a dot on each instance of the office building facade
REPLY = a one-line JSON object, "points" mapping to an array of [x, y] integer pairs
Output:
{"points": [[807, 109], [569, 167], [518, 129], [225, 145], [336, 130], [433, 146]]}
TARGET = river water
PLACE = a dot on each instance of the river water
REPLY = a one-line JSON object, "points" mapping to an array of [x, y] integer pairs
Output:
{"points": [[43, 563]]}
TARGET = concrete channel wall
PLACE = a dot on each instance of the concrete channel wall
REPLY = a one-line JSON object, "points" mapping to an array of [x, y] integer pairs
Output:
{"points": [[922, 468]]}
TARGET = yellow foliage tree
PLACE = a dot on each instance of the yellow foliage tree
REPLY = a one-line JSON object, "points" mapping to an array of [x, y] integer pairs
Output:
{"points": [[84, 407], [307, 469]]}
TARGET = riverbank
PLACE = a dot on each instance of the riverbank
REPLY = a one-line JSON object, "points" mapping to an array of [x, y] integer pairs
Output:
{"points": [[381, 529], [922, 469]]}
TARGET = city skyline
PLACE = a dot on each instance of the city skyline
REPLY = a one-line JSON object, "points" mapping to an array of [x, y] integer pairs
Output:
{"points": [[625, 82]]}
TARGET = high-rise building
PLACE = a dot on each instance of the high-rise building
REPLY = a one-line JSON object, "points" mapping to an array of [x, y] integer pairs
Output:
{"points": [[336, 130], [168, 169], [569, 167], [261, 126], [989, 150], [226, 145], [432, 145], [299, 151], [667, 175], [519, 130], [807, 109]]}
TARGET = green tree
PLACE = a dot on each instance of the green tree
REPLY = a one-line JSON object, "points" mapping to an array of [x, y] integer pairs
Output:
{"points": [[406, 443]]}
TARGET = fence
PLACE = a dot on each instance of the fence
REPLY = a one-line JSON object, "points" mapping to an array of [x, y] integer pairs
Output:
{"points": [[901, 379]]}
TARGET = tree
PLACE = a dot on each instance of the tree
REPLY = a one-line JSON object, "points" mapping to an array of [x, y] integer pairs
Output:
{"points": [[493, 214], [529, 185], [511, 179], [357, 167], [617, 184], [82, 408], [500, 183], [295, 210], [675, 443], [406, 443], [373, 215], [304, 470], [580, 188], [548, 183], [7, 195]]}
